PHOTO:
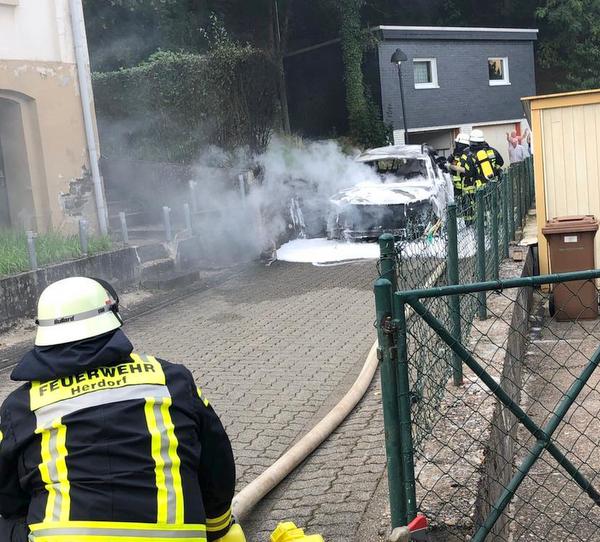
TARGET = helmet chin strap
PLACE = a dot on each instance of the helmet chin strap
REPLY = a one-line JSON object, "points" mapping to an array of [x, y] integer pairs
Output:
{"points": [[114, 307]]}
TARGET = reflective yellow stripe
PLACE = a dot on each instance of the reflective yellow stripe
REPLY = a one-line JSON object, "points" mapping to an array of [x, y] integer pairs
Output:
{"points": [[159, 462], [205, 401], [220, 519], [111, 538], [45, 472], [216, 524], [175, 461], [61, 468], [100, 531], [53, 470]]}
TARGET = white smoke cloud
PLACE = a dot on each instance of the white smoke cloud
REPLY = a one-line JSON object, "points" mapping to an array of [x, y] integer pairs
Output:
{"points": [[292, 177]]}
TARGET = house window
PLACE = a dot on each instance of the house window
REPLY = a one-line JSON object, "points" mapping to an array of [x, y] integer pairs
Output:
{"points": [[498, 71], [425, 73]]}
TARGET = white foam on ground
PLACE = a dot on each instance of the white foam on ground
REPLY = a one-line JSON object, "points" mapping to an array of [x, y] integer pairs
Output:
{"points": [[322, 251], [319, 251]]}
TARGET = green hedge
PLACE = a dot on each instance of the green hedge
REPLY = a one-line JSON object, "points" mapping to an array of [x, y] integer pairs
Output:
{"points": [[175, 104]]}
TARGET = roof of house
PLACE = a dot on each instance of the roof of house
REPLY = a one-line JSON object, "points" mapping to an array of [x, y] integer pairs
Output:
{"points": [[456, 33], [562, 99]]}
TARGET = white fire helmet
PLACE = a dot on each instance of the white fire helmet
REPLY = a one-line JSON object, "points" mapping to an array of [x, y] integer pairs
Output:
{"points": [[74, 309], [462, 138], [476, 137]]}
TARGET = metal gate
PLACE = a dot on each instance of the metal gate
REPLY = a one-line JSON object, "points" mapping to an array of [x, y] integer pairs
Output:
{"points": [[490, 433]]}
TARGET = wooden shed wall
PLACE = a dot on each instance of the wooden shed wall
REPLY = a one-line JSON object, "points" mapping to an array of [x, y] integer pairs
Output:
{"points": [[570, 147]]}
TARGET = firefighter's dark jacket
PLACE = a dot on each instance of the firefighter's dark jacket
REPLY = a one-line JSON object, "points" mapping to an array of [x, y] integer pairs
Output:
{"points": [[104, 443]]}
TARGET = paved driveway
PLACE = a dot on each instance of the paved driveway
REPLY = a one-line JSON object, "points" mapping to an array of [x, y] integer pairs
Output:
{"points": [[273, 349]]}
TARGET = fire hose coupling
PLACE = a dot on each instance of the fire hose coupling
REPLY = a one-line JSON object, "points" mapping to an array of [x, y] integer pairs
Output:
{"points": [[288, 532], [416, 530]]}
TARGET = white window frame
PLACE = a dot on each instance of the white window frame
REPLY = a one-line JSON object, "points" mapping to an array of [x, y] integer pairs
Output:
{"points": [[434, 75], [9, 2], [506, 79]]}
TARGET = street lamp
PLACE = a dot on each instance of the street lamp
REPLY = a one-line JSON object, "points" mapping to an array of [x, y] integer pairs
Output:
{"points": [[397, 58]]}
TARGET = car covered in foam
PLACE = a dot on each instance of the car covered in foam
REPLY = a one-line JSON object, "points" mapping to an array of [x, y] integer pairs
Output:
{"points": [[410, 194]]}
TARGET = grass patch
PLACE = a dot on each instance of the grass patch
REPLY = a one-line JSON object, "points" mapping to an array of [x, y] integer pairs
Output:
{"points": [[50, 248]]}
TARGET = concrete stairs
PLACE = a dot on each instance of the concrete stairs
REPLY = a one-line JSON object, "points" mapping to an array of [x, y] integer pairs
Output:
{"points": [[159, 270]]}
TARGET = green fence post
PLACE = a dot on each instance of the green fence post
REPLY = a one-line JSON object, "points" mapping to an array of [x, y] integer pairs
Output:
{"points": [[481, 296], [518, 195], [505, 228], [524, 182], [495, 242], [387, 249], [389, 396], [404, 405], [511, 203], [525, 188], [532, 180], [454, 301]]}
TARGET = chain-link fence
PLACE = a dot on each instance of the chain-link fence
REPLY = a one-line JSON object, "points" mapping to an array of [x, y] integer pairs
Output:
{"points": [[468, 247], [489, 390]]}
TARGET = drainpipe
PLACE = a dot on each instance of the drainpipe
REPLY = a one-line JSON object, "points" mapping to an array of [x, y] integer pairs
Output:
{"points": [[85, 89]]}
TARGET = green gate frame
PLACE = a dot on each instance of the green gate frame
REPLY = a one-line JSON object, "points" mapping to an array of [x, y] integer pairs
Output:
{"points": [[391, 309]]}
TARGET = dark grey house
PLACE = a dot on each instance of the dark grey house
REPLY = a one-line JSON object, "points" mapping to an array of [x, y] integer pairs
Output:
{"points": [[455, 78], [452, 78]]}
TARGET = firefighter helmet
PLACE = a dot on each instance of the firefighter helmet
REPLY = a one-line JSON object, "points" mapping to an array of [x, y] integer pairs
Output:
{"points": [[462, 138], [476, 137], [74, 309]]}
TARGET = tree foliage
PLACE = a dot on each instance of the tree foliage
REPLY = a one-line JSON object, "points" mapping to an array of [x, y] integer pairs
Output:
{"points": [[124, 33], [175, 104], [572, 42], [366, 126]]}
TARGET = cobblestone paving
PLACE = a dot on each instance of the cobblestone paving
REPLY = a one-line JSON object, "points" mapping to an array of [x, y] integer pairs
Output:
{"points": [[273, 349]]}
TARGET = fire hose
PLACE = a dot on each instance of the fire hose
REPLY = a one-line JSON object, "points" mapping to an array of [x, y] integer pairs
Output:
{"points": [[256, 490]]}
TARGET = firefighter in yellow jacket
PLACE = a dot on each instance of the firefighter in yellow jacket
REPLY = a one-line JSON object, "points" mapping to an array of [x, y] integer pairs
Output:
{"points": [[101, 443], [487, 162]]}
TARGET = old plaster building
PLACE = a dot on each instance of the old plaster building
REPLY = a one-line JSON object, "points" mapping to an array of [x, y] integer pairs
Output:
{"points": [[47, 121]]}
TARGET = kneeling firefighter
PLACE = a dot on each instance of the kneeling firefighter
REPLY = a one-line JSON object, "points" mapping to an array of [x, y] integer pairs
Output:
{"points": [[103, 444]]}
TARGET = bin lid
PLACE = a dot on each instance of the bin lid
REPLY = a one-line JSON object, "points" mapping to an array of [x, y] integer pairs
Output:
{"points": [[570, 224]]}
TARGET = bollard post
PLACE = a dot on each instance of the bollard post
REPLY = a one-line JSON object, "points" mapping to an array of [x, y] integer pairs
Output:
{"points": [[242, 184], [188, 217], [481, 296], [389, 395], [83, 236], [495, 241], [124, 231], [167, 223], [511, 204], [505, 227], [453, 278], [33, 263], [388, 270], [194, 195]]}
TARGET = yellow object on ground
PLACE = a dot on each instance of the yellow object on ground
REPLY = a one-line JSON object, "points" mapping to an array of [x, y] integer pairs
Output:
{"points": [[288, 532], [235, 534]]}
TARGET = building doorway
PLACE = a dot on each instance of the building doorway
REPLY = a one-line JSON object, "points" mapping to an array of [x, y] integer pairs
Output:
{"points": [[16, 194]]}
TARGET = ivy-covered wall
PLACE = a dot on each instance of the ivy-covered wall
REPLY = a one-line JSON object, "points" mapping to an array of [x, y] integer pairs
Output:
{"points": [[175, 104]]}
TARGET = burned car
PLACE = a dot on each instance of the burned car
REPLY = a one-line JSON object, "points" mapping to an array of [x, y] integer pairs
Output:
{"points": [[409, 193]]}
